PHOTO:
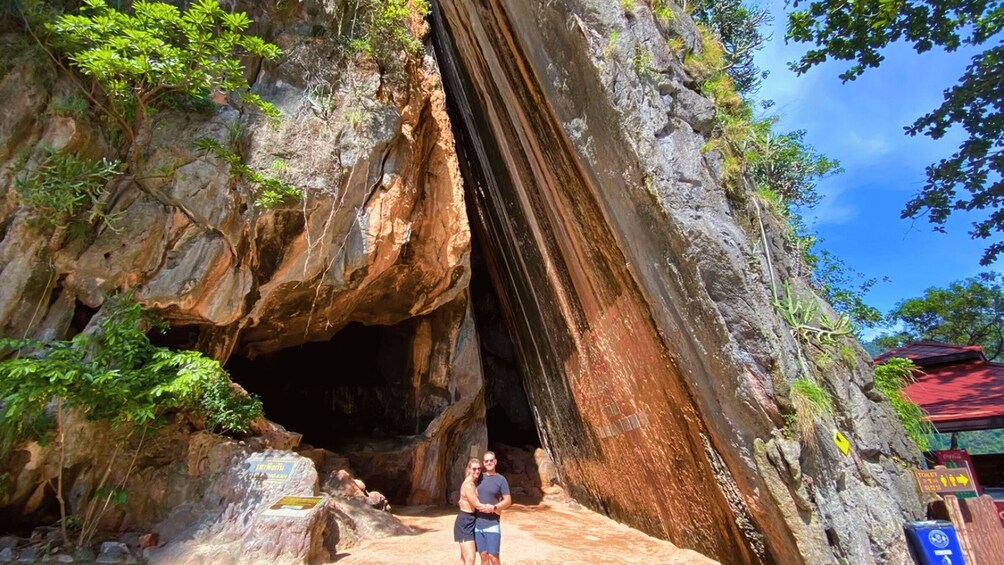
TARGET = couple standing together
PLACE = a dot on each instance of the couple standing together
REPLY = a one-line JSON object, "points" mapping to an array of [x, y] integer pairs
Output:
{"points": [[482, 497]]}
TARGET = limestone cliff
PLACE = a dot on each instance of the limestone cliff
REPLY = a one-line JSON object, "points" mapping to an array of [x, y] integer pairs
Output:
{"points": [[635, 294], [639, 294]]}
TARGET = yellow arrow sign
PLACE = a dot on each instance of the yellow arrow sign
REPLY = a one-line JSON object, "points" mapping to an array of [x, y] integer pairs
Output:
{"points": [[942, 480], [842, 442]]}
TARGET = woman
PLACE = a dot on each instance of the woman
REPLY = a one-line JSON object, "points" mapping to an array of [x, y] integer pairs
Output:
{"points": [[463, 528]]}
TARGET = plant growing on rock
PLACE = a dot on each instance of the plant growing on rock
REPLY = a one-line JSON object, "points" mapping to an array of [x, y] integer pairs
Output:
{"points": [[110, 373], [810, 402], [272, 191], [807, 323], [64, 186], [891, 377], [783, 168], [155, 58], [381, 27]]}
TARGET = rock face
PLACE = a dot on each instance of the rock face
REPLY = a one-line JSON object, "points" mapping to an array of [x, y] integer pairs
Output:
{"points": [[242, 518], [640, 302], [637, 301], [380, 239]]}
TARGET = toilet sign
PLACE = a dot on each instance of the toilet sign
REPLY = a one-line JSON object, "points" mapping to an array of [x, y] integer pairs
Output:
{"points": [[944, 481]]}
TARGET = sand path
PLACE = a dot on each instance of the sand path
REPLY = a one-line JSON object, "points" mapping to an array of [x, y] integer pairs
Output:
{"points": [[531, 533]]}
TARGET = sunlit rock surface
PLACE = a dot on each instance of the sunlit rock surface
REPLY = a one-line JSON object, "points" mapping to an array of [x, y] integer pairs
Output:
{"points": [[380, 239], [635, 291], [641, 302]]}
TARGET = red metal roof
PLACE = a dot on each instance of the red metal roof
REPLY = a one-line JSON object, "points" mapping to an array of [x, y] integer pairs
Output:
{"points": [[925, 353], [958, 387]]}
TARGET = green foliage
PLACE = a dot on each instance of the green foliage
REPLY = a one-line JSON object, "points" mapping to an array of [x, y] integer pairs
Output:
{"points": [[843, 288], [859, 31], [73, 105], [628, 6], [663, 12], [641, 61], [891, 378], [157, 53], [271, 191], [807, 322], [64, 186], [228, 409], [611, 43], [968, 312], [811, 403], [785, 171], [381, 27], [788, 165], [112, 373], [738, 27], [709, 60], [982, 442]]}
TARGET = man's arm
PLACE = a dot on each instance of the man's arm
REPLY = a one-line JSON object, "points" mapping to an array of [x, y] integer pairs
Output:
{"points": [[504, 503], [505, 499]]}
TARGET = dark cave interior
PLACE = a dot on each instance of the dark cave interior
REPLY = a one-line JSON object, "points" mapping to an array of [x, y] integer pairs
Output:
{"points": [[356, 385]]}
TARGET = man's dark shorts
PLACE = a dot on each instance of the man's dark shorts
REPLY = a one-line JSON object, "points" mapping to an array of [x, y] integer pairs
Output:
{"points": [[463, 528]]}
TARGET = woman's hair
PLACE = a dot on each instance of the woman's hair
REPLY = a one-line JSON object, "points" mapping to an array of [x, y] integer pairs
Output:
{"points": [[471, 461]]}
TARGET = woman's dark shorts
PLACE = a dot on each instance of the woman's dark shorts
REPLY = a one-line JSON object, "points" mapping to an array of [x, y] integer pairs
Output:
{"points": [[463, 528]]}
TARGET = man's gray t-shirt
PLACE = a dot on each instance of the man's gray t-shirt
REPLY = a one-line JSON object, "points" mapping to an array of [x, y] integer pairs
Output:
{"points": [[490, 491]]}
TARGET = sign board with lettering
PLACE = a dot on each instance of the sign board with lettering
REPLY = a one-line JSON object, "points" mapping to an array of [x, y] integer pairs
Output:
{"points": [[958, 458], [275, 470], [293, 506], [944, 481]]}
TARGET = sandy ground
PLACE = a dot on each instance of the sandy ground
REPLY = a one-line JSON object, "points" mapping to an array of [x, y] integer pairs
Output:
{"points": [[531, 533]]}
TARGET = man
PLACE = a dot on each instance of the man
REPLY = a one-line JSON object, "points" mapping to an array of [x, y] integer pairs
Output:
{"points": [[494, 490]]}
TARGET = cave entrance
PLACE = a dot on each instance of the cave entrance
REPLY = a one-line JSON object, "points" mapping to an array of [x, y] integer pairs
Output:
{"points": [[355, 387], [508, 414]]}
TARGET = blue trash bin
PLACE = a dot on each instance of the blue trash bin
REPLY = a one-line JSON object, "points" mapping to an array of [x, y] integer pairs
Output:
{"points": [[934, 542]]}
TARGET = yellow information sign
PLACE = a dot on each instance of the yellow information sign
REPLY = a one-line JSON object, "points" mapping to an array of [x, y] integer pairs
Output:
{"points": [[842, 442], [293, 506], [941, 480]]}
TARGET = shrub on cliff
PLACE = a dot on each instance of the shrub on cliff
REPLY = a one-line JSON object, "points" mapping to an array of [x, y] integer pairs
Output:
{"points": [[152, 58], [111, 373]]}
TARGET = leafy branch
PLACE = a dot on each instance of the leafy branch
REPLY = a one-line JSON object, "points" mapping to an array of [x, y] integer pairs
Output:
{"points": [[271, 191]]}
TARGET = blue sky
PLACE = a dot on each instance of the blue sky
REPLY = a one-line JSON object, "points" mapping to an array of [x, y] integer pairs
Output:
{"points": [[860, 123]]}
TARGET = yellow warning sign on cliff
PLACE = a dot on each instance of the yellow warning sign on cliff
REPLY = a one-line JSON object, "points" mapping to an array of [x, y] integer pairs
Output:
{"points": [[842, 442]]}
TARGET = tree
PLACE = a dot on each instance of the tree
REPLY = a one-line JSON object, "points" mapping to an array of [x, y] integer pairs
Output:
{"points": [[738, 26], [968, 312], [141, 61], [786, 164], [111, 372], [155, 58], [973, 177]]}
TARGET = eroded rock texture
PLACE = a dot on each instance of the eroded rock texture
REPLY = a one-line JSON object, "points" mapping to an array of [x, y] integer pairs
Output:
{"points": [[636, 293], [380, 240], [639, 300]]}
